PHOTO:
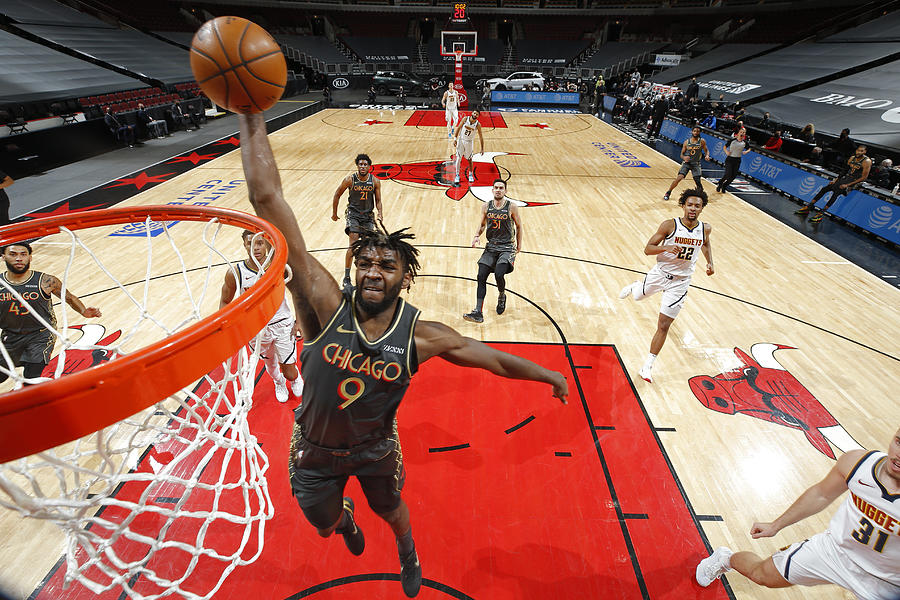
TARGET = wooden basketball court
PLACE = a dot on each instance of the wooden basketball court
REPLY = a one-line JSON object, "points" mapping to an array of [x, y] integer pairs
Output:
{"points": [[808, 342]]}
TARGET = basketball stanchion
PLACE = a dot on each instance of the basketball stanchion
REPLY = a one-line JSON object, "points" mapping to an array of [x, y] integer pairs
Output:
{"points": [[146, 461]]}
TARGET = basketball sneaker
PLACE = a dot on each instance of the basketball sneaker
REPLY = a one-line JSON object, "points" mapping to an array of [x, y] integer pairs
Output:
{"points": [[626, 291], [802, 211], [456, 180], [475, 316], [297, 386], [816, 218], [410, 573], [666, 195], [471, 178], [714, 566], [353, 535], [501, 303], [645, 374], [281, 391]]}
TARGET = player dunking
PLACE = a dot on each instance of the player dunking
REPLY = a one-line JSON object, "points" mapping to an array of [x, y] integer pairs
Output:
{"points": [[363, 346], [504, 241], [450, 102], [676, 244], [465, 143], [28, 342], [859, 551], [278, 339], [691, 150], [364, 198]]}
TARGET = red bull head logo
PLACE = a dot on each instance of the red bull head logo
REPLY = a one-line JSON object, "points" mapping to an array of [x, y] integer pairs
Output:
{"points": [[440, 174], [87, 352], [763, 389]]}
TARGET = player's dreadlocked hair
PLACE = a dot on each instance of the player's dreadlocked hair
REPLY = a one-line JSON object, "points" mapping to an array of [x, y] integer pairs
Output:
{"points": [[393, 241]]}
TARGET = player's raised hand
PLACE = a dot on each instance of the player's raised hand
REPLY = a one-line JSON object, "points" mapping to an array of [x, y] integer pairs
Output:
{"points": [[761, 530]]}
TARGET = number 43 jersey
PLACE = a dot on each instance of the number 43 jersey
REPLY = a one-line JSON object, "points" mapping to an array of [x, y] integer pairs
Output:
{"points": [[689, 242], [867, 524]]}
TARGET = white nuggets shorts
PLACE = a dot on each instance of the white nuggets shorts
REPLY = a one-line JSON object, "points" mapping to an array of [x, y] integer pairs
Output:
{"points": [[819, 560], [674, 290], [464, 148], [451, 115], [277, 341]]}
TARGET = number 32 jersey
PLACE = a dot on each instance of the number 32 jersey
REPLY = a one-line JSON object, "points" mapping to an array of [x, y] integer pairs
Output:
{"points": [[689, 242], [354, 386], [867, 524]]}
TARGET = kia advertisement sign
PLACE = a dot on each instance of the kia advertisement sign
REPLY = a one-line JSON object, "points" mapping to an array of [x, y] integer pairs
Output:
{"points": [[868, 212], [867, 102]]}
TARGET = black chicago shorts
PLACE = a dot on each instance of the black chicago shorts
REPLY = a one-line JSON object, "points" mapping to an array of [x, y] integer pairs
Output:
{"points": [[318, 477], [357, 223], [29, 347], [493, 258]]}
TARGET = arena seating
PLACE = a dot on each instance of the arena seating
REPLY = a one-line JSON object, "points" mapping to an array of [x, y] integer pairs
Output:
{"points": [[712, 59], [379, 49], [613, 53]]}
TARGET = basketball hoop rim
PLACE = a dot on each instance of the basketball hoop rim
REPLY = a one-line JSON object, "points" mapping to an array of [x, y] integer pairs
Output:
{"points": [[38, 417]]}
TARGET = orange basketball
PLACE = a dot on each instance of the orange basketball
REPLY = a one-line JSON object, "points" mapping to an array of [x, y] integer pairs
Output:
{"points": [[238, 65]]}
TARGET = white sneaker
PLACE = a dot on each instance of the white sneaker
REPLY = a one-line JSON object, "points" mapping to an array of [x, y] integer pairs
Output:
{"points": [[626, 291], [281, 392], [711, 568], [297, 386], [456, 180], [471, 178], [645, 374]]}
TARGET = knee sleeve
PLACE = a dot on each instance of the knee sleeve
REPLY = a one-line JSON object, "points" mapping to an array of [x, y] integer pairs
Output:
{"points": [[699, 183], [483, 272], [32, 370]]}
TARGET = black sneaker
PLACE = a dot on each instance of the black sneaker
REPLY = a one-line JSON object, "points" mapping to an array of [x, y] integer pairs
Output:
{"points": [[501, 303], [353, 535], [410, 574], [475, 316]]}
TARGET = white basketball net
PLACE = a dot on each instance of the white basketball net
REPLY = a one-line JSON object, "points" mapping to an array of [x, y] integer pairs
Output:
{"points": [[176, 488]]}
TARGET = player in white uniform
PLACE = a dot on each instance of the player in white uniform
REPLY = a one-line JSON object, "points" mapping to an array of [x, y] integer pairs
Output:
{"points": [[278, 339], [677, 244], [860, 550], [450, 102], [465, 142]]}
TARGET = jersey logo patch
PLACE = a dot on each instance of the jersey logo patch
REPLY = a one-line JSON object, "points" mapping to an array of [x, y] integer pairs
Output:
{"points": [[761, 388]]}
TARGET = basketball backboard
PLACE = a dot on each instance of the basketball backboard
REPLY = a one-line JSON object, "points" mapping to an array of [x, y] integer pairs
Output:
{"points": [[467, 41]]}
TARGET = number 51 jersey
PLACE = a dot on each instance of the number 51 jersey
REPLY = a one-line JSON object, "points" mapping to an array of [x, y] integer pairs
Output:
{"points": [[867, 524]]}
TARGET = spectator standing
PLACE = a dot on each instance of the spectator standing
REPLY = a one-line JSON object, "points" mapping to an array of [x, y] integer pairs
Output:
{"points": [[765, 123], [693, 90], [734, 151], [5, 182]]}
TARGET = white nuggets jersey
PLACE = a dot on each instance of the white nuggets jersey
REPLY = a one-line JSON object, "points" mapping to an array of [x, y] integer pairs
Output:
{"points": [[689, 241], [247, 277], [452, 99], [467, 133], [867, 524]]}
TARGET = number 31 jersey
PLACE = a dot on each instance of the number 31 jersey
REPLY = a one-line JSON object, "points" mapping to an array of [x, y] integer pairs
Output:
{"points": [[867, 524], [689, 242]]}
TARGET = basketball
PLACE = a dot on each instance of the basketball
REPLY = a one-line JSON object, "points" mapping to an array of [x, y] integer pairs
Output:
{"points": [[238, 65]]}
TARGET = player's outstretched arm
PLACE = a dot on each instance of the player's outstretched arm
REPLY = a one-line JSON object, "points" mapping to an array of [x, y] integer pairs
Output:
{"points": [[52, 284], [336, 199], [815, 499], [436, 339], [315, 292], [706, 248], [654, 244]]}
